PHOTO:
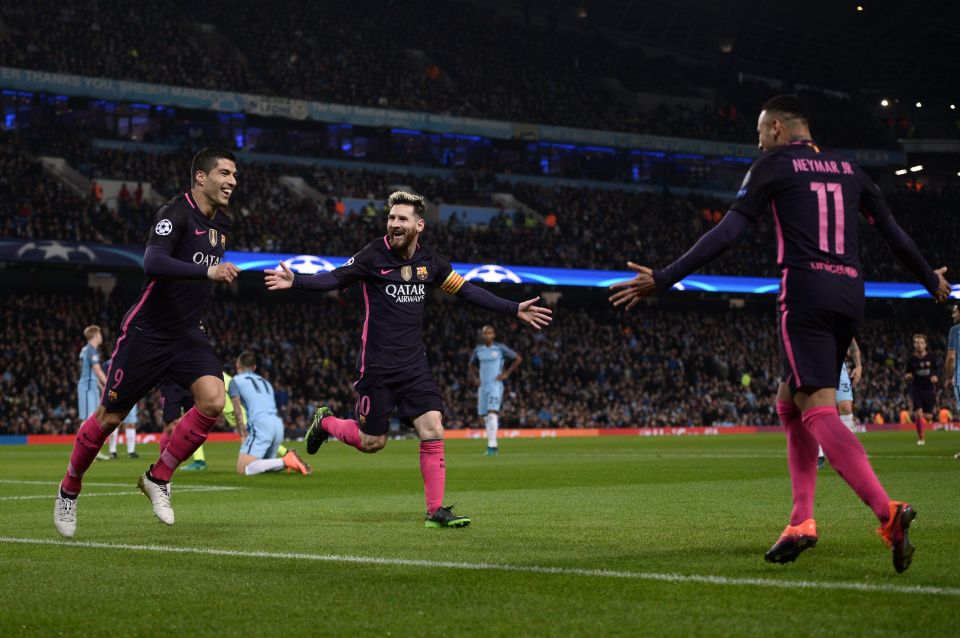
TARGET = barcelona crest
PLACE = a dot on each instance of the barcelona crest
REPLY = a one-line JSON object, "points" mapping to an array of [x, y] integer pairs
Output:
{"points": [[421, 272]]}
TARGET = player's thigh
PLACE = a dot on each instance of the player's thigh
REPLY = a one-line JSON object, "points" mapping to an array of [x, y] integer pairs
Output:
{"points": [[812, 346], [273, 429], [428, 425], [87, 402], [258, 441], [418, 396], [137, 366], [495, 398], [376, 401], [844, 406], [195, 361]]}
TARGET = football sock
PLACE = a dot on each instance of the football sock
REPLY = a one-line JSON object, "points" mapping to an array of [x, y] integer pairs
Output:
{"points": [[434, 473], [90, 438], [850, 422], [921, 424], [848, 458], [282, 450], [802, 453], [346, 430], [263, 465], [187, 437], [131, 434], [492, 423], [199, 455], [113, 441], [164, 440]]}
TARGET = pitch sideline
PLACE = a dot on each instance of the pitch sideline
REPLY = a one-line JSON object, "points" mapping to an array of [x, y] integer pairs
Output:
{"points": [[953, 592]]}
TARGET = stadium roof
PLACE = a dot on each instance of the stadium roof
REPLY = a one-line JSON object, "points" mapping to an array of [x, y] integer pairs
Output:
{"points": [[883, 46]]}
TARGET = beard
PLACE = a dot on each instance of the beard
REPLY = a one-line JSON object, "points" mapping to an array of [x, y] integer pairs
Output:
{"points": [[404, 241]]}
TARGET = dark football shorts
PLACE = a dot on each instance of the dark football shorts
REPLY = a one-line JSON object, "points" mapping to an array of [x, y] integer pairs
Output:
{"points": [[175, 400], [411, 392], [813, 344], [923, 399], [139, 363]]}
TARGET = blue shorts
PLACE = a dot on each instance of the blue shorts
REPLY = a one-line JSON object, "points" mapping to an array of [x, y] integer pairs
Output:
{"points": [[88, 398], [489, 398], [845, 389], [131, 418], [263, 437]]}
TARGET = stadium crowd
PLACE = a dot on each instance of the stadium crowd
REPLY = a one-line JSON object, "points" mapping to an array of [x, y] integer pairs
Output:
{"points": [[596, 367], [455, 58], [650, 227]]}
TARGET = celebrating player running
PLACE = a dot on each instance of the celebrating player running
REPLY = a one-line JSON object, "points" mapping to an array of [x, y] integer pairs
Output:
{"points": [[394, 273]]}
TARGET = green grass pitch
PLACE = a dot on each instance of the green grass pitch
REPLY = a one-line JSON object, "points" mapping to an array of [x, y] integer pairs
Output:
{"points": [[604, 536]]}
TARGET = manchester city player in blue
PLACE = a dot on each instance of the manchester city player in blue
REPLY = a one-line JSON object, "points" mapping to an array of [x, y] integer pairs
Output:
{"points": [[262, 432], [490, 357]]}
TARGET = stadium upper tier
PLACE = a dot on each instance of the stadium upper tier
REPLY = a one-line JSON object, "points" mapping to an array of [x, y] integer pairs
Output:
{"points": [[436, 56], [595, 368], [594, 228]]}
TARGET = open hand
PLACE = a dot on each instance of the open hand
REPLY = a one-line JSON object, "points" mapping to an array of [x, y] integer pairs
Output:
{"points": [[632, 291], [536, 316], [943, 289], [279, 279]]}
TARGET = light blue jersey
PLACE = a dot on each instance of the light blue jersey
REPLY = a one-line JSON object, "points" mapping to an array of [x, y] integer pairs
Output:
{"points": [[88, 388], [491, 360], [953, 344], [264, 427], [845, 389]]}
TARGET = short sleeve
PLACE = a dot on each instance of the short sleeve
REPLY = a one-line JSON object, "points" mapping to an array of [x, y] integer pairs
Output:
{"points": [[356, 268], [168, 227], [234, 389], [449, 279], [872, 204], [94, 357], [507, 352], [473, 357], [756, 191]]}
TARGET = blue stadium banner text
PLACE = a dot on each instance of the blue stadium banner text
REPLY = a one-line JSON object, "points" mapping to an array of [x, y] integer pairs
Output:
{"points": [[170, 95], [101, 256]]}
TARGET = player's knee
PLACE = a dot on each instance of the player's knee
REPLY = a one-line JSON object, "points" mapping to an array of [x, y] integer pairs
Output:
{"points": [[371, 444], [431, 430], [211, 405], [109, 421]]}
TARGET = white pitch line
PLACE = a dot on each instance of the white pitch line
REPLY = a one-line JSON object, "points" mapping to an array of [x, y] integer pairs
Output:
{"points": [[183, 490], [85, 484], [953, 592]]}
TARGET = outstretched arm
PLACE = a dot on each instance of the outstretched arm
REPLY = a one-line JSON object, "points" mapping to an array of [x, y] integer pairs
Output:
{"points": [[909, 255], [535, 316], [285, 278], [713, 243]]}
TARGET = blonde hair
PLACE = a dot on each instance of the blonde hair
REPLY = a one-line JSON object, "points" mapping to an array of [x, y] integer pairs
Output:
{"points": [[89, 331], [921, 336], [408, 199]]}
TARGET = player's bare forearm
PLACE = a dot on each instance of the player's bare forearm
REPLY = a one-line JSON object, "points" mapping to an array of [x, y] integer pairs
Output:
{"points": [[950, 367], [854, 352]]}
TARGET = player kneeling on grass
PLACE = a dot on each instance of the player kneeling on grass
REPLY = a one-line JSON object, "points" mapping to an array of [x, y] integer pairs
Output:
{"points": [[263, 433]]}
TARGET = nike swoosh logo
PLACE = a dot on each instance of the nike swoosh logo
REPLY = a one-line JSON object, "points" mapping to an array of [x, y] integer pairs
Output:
{"points": [[199, 231], [386, 272]]}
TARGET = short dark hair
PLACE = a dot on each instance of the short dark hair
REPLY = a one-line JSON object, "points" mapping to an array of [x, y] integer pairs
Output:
{"points": [[206, 159], [408, 199], [788, 105], [247, 359]]}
